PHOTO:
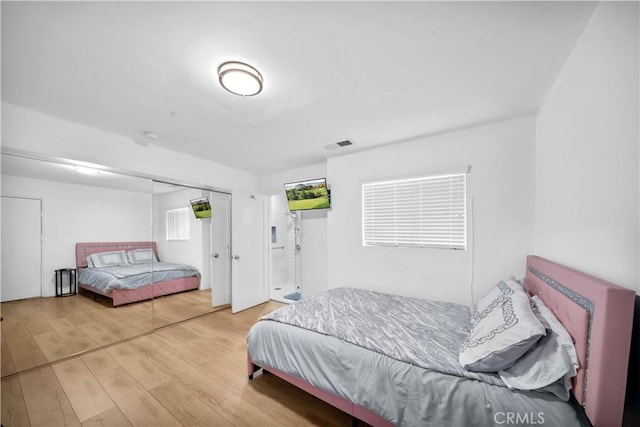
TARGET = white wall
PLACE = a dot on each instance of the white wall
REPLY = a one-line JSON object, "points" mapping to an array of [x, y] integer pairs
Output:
{"points": [[501, 183], [190, 251], [587, 151], [313, 234], [76, 213], [28, 130]]}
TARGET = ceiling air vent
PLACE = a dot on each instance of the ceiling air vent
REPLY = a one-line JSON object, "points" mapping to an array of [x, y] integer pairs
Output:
{"points": [[340, 144]]}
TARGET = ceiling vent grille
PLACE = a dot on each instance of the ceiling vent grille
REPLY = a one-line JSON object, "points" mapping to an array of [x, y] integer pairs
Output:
{"points": [[340, 144]]}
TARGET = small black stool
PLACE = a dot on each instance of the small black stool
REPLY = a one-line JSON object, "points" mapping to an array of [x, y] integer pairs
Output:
{"points": [[71, 274]]}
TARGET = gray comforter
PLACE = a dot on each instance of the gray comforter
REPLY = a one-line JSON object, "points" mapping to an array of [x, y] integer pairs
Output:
{"points": [[417, 331], [396, 356], [133, 276]]}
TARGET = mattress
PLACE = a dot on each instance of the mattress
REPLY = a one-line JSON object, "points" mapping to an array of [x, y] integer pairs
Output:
{"points": [[398, 365]]}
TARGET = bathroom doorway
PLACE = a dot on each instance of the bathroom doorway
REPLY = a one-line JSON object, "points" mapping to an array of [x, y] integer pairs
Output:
{"points": [[284, 251]]}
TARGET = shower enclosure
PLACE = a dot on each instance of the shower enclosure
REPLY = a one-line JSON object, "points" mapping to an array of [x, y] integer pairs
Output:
{"points": [[284, 252]]}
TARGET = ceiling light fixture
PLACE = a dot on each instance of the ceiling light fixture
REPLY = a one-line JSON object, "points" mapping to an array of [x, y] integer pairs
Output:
{"points": [[240, 78], [87, 171], [150, 135]]}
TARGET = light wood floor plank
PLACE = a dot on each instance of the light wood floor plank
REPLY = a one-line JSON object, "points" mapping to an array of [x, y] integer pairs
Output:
{"points": [[208, 386], [110, 418], [53, 345], [138, 365], [138, 405], [25, 351], [24, 308], [84, 392], [178, 307], [8, 366], [189, 411], [99, 332], [35, 323], [179, 369], [72, 335], [99, 361], [14, 410], [46, 401]]}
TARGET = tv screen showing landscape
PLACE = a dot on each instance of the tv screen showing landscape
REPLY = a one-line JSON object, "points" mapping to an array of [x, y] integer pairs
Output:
{"points": [[310, 194], [201, 207]]}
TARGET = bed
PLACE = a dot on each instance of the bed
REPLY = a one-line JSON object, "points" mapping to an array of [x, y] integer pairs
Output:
{"points": [[128, 272], [392, 384]]}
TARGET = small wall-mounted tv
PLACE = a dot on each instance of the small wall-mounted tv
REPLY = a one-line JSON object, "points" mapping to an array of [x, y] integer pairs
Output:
{"points": [[201, 207], [310, 194]]}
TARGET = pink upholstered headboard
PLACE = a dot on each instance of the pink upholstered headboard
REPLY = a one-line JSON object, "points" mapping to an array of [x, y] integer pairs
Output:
{"points": [[83, 250], [599, 317]]}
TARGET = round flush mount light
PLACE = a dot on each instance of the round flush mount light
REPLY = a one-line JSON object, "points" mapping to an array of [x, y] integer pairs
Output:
{"points": [[240, 78]]}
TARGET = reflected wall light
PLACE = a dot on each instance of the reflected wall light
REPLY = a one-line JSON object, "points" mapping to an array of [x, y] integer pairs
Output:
{"points": [[240, 78]]}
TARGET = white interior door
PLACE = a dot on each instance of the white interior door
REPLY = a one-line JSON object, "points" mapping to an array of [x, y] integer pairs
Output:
{"points": [[21, 248], [249, 251], [220, 255]]}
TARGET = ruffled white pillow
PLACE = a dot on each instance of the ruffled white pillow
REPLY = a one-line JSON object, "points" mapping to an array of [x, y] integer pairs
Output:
{"points": [[550, 365]]}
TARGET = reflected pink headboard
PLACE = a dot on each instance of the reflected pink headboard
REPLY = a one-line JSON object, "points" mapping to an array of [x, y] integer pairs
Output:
{"points": [[85, 249], [599, 317]]}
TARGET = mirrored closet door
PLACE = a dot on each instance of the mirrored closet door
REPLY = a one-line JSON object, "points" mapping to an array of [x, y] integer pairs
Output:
{"points": [[48, 208], [191, 231], [101, 241]]}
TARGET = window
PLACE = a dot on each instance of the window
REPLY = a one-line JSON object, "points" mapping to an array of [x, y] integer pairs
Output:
{"points": [[178, 224], [427, 212]]}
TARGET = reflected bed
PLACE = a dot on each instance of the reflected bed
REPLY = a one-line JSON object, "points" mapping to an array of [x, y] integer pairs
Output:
{"points": [[128, 272]]}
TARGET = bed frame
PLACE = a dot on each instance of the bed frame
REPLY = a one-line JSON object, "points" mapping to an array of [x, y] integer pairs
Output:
{"points": [[597, 314], [142, 293]]}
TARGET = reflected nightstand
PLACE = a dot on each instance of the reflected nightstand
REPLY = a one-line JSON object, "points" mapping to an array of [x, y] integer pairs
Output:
{"points": [[70, 275]]}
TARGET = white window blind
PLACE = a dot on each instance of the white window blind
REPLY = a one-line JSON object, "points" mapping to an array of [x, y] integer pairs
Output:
{"points": [[178, 224], [420, 212]]}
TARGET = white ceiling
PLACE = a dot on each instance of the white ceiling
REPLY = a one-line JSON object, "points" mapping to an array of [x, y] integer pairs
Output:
{"points": [[373, 72]]}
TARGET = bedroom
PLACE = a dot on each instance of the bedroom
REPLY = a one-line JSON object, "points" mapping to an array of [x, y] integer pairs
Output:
{"points": [[523, 163]]}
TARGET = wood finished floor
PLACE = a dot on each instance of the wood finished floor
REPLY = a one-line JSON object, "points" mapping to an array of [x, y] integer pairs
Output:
{"points": [[191, 374], [41, 330]]}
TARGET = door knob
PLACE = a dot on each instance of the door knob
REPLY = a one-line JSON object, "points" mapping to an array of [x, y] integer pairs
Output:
{"points": [[236, 257], [216, 255]]}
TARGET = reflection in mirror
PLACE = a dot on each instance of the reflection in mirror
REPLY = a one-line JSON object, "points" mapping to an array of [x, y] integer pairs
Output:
{"points": [[191, 230], [47, 208]]}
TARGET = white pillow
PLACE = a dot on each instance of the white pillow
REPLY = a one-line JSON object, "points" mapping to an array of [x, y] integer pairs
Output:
{"points": [[494, 293], [142, 256], [503, 328], [107, 259], [550, 365]]}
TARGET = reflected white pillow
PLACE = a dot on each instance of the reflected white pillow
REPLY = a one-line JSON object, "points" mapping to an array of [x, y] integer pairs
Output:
{"points": [[107, 259], [142, 256], [549, 365], [503, 328]]}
